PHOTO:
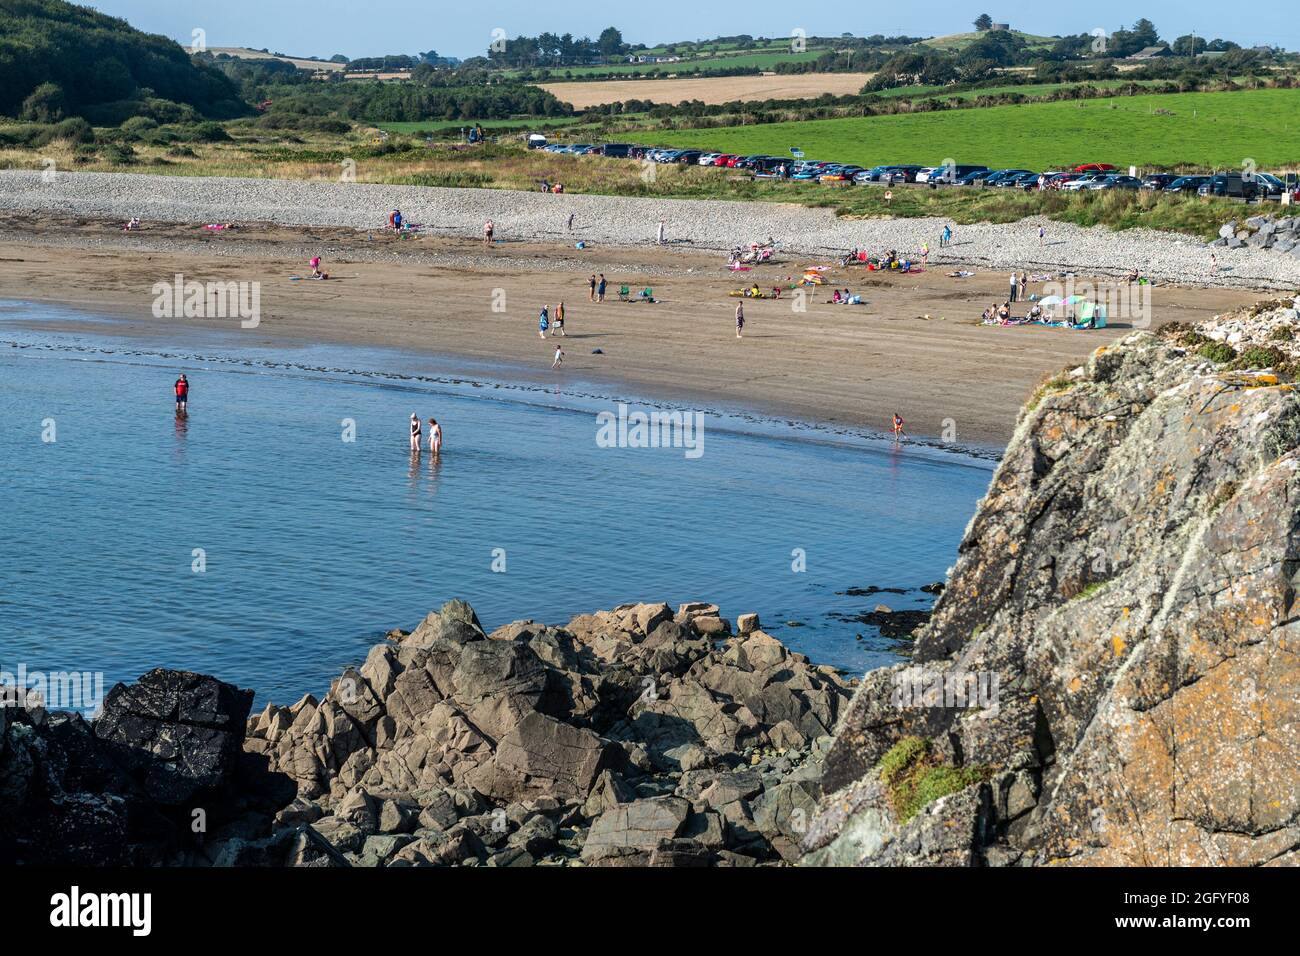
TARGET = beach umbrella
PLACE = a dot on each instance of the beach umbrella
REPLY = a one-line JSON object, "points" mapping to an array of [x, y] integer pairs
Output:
{"points": [[1074, 299], [1051, 300]]}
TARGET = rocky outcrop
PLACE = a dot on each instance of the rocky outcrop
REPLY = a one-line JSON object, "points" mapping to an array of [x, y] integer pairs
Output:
{"points": [[638, 736], [1111, 674], [154, 779]]}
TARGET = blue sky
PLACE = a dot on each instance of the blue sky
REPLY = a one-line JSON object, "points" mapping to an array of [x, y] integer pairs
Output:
{"points": [[372, 27]]}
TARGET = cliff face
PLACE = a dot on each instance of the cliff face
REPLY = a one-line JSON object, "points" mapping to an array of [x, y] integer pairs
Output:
{"points": [[1127, 590]]}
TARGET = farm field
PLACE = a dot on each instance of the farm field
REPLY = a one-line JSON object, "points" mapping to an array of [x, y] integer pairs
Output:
{"points": [[1205, 130], [244, 53], [757, 61], [718, 89]]}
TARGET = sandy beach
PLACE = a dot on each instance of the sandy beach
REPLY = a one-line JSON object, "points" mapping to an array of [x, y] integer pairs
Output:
{"points": [[916, 347]]}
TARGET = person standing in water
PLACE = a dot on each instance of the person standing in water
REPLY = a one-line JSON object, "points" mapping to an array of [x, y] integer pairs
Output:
{"points": [[740, 319], [182, 387], [898, 427], [415, 432], [435, 436]]}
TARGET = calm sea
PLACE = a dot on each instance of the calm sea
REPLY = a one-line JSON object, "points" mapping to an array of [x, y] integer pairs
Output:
{"points": [[255, 541]]}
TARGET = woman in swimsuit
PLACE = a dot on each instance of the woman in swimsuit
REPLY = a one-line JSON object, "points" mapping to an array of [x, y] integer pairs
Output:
{"points": [[415, 432]]}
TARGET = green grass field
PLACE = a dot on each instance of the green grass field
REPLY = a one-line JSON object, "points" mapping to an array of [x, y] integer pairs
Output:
{"points": [[1201, 130], [959, 41]]}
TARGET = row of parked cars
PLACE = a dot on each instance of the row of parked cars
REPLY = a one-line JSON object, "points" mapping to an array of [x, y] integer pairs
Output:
{"points": [[1091, 176]]}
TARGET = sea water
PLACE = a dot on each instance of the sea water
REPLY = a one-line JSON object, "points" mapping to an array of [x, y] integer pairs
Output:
{"points": [[278, 530]]}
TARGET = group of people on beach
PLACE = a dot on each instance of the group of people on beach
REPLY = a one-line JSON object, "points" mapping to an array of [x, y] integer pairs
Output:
{"points": [[435, 434]]}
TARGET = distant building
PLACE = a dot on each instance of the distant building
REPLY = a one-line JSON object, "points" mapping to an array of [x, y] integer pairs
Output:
{"points": [[1152, 52], [653, 58], [1000, 26]]}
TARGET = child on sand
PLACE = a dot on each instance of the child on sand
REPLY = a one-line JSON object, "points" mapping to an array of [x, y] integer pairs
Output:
{"points": [[559, 357], [415, 432]]}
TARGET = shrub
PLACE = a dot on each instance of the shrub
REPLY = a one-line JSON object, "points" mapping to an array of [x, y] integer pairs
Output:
{"points": [[138, 125], [914, 778], [1260, 356], [1218, 352], [1283, 333], [46, 104]]}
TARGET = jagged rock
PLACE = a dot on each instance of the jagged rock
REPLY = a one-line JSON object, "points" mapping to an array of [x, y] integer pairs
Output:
{"points": [[636, 826], [541, 755], [1137, 647], [746, 623]]}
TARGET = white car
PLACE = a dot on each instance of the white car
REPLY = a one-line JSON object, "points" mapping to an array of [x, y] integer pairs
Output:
{"points": [[924, 175], [708, 159]]}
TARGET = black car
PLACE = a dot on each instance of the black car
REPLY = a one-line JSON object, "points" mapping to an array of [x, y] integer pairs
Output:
{"points": [[1186, 184], [618, 150], [1158, 181], [688, 157]]}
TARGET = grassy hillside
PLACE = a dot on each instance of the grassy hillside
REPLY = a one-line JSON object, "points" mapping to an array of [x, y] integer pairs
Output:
{"points": [[1169, 130], [58, 60], [956, 42]]}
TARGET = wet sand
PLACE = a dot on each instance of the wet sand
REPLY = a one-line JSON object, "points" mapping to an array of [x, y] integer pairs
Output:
{"points": [[916, 347]]}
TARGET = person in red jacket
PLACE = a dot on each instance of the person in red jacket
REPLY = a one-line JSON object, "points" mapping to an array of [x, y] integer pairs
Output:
{"points": [[182, 393]]}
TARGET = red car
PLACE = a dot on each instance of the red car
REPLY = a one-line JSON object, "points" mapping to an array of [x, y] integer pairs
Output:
{"points": [[728, 160], [1094, 168]]}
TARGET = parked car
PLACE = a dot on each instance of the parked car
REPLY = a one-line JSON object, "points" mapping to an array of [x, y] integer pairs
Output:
{"points": [[923, 175], [1158, 181], [1115, 182], [1003, 174], [688, 157], [1016, 180], [839, 174], [954, 174], [1186, 184], [1232, 185], [978, 176], [901, 174], [1269, 186], [1095, 168]]}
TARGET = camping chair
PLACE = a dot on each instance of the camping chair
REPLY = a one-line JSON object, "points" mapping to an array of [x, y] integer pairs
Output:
{"points": [[624, 293], [647, 294]]}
